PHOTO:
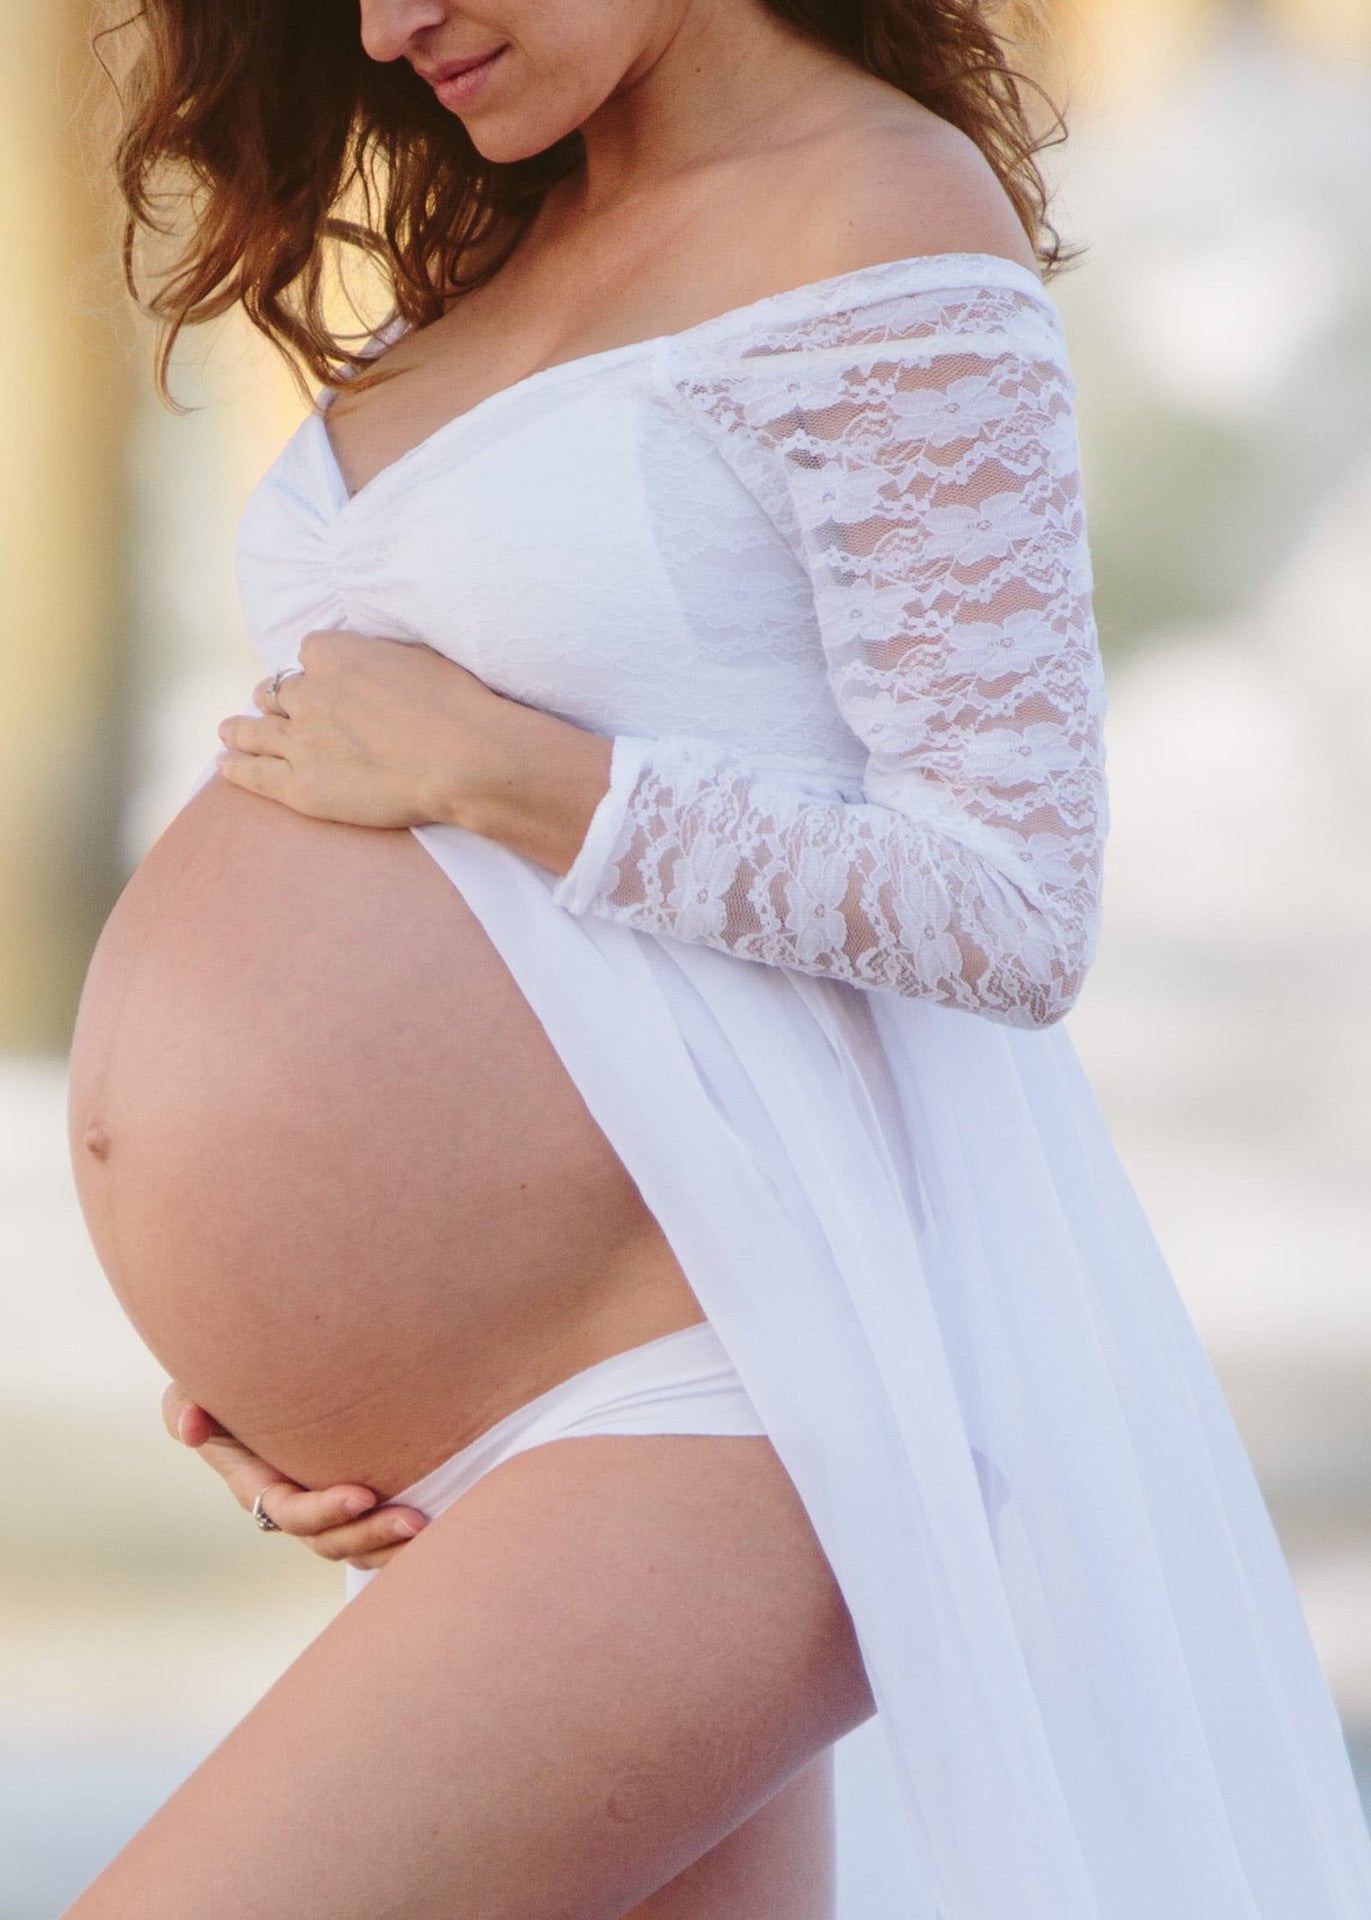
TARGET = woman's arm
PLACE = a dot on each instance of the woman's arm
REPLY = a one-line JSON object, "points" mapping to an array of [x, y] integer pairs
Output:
{"points": [[919, 455], [922, 461]]}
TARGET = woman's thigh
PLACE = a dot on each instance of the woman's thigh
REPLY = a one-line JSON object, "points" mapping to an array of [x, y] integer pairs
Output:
{"points": [[778, 1865], [578, 1680]]}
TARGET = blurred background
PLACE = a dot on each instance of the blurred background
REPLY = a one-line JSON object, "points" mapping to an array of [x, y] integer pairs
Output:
{"points": [[1220, 322]]}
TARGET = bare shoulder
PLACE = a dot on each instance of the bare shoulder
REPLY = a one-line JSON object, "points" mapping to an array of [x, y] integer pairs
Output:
{"points": [[903, 182]]}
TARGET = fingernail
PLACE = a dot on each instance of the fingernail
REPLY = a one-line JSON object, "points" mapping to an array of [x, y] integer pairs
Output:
{"points": [[355, 1503], [183, 1426], [406, 1529]]}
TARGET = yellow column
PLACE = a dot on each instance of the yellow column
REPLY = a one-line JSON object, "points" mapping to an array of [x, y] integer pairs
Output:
{"points": [[1339, 28], [66, 384], [1120, 53]]}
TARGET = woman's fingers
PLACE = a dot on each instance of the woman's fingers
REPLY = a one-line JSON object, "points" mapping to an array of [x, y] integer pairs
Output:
{"points": [[242, 1472], [328, 1521], [295, 1509], [268, 701], [370, 1541], [338, 1523], [184, 1420], [306, 1513], [246, 735]]}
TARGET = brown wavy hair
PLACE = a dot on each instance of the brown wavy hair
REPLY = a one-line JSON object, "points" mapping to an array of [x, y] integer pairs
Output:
{"points": [[296, 152]]}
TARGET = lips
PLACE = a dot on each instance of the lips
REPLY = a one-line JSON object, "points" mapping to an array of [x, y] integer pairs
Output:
{"points": [[450, 69]]}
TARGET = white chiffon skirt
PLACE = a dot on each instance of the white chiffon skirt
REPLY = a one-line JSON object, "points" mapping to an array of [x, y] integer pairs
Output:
{"points": [[1097, 1694]]}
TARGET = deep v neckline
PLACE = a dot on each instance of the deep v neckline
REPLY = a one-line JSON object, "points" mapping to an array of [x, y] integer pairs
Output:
{"points": [[436, 437], [916, 273]]}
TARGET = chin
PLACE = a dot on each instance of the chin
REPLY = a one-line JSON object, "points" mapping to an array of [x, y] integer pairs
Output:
{"points": [[504, 137], [502, 146]]}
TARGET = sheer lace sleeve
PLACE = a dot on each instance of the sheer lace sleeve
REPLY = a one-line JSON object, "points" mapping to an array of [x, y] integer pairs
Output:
{"points": [[919, 455]]}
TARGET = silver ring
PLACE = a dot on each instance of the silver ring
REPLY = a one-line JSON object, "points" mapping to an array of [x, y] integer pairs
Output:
{"points": [[274, 687], [263, 1519]]}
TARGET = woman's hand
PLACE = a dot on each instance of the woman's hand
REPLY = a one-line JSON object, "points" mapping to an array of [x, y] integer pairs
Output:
{"points": [[379, 733], [389, 733], [338, 1523]]}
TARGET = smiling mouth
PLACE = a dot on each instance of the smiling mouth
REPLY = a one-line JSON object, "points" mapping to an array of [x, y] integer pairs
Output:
{"points": [[455, 69]]}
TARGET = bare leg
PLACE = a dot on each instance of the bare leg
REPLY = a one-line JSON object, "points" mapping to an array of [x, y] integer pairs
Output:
{"points": [[582, 1677], [778, 1865]]}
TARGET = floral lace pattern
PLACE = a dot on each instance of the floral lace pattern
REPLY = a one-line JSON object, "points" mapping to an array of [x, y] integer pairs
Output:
{"points": [[918, 454]]}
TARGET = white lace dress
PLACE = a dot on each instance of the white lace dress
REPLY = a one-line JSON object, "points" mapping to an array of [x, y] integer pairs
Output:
{"points": [[819, 567]]}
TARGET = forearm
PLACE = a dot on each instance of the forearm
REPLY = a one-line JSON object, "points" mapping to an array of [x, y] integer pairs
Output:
{"points": [[537, 796], [706, 850]]}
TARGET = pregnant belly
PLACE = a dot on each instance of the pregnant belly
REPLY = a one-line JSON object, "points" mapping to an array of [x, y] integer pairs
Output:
{"points": [[333, 1169]]}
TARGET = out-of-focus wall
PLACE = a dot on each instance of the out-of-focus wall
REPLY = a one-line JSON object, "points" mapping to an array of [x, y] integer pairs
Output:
{"points": [[116, 523], [1220, 324], [63, 538]]}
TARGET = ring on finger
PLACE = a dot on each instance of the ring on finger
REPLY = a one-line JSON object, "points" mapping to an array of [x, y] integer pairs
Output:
{"points": [[259, 1513], [274, 689]]}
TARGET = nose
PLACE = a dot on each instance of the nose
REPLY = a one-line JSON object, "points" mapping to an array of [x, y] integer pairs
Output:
{"points": [[390, 27]]}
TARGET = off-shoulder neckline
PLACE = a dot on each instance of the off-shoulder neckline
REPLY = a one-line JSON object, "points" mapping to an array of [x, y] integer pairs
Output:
{"points": [[915, 273], [919, 272]]}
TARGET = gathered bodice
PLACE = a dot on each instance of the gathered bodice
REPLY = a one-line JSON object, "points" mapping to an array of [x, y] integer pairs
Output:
{"points": [[573, 542], [819, 566]]}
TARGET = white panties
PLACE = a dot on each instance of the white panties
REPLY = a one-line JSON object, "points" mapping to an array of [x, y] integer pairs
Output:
{"points": [[681, 1383]]}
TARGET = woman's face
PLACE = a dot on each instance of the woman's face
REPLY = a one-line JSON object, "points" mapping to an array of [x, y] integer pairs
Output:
{"points": [[554, 61]]}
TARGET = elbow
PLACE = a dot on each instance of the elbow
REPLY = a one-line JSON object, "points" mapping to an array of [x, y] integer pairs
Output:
{"points": [[1059, 997], [1046, 980], [1038, 1004], [1029, 990], [1052, 990], [1058, 950], [1017, 958]]}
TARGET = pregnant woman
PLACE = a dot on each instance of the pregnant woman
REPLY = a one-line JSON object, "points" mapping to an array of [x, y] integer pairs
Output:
{"points": [[582, 1082]]}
